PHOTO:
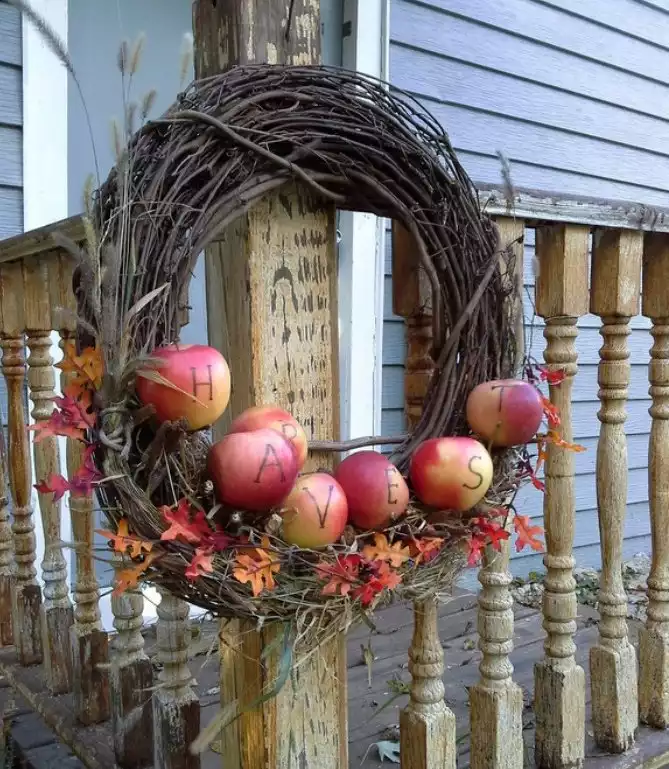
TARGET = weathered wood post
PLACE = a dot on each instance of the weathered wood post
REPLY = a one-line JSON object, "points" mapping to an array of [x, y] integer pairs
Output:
{"points": [[496, 702], [559, 694], [27, 597], [131, 683], [7, 566], [654, 639], [88, 641], [614, 296], [427, 725], [176, 707], [272, 310], [57, 616]]}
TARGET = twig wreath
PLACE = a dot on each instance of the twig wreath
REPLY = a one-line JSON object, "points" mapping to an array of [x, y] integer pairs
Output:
{"points": [[176, 518]]}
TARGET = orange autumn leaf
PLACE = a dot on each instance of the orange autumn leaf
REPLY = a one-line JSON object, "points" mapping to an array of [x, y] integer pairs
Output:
{"points": [[526, 534], [557, 440], [395, 554], [257, 567], [123, 541], [86, 368], [128, 579], [552, 412]]}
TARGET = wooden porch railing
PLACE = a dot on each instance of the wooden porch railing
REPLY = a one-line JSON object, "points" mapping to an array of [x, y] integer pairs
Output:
{"points": [[154, 717]]}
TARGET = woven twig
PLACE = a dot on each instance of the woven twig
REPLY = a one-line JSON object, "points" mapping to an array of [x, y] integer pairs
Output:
{"points": [[228, 141]]}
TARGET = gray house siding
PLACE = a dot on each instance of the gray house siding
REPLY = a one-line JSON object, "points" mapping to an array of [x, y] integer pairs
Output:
{"points": [[575, 94], [11, 152]]}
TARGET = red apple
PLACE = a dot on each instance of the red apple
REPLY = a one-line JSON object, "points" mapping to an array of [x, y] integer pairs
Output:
{"points": [[315, 512], [254, 470], [451, 473], [505, 412], [375, 489], [200, 380], [277, 419]]}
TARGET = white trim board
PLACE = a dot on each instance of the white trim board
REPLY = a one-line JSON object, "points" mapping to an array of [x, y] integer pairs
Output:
{"points": [[45, 170], [361, 250]]}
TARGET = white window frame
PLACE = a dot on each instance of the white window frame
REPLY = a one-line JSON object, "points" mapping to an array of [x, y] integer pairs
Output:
{"points": [[365, 49]]}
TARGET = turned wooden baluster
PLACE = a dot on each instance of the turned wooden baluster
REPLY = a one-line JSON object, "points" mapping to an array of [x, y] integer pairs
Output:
{"points": [[561, 297], [496, 702], [614, 296], [176, 708], [427, 726], [131, 681], [88, 642], [654, 638], [7, 567], [27, 597], [57, 616]]}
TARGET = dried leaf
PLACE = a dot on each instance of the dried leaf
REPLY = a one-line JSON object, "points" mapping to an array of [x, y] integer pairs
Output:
{"points": [[388, 750], [395, 554], [144, 301]]}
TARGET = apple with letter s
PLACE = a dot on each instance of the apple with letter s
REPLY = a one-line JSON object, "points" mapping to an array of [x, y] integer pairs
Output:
{"points": [[451, 473]]}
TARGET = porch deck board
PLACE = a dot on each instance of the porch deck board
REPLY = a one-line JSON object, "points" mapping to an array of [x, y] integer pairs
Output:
{"points": [[369, 721]]}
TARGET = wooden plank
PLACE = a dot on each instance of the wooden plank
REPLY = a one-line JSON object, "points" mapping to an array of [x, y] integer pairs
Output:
{"points": [[654, 645], [614, 296], [39, 240], [561, 297]]}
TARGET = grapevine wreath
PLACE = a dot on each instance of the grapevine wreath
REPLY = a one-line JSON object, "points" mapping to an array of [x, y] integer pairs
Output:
{"points": [[186, 516]]}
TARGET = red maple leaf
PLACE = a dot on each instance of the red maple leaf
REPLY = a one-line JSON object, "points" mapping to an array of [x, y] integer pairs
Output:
{"points": [[201, 564], [77, 411], [341, 575], [526, 534], [383, 578], [425, 549], [219, 541], [55, 484], [54, 426], [492, 532], [476, 545], [387, 577], [181, 525], [83, 481], [554, 376]]}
